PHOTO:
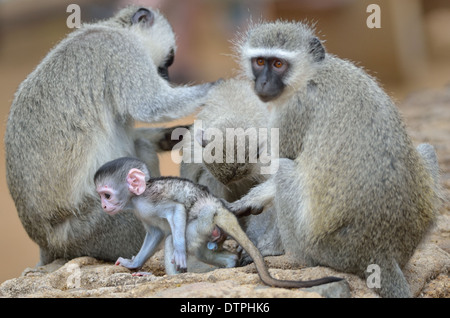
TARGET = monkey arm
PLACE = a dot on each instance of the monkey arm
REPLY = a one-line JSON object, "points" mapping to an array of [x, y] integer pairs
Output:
{"points": [[255, 200], [173, 103], [156, 101], [177, 221], [140, 92], [152, 239], [161, 137]]}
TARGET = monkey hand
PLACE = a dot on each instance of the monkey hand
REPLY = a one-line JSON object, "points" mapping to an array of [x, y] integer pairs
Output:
{"points": [[128, 263], [180, 260], [207, 86], [240, 210]]}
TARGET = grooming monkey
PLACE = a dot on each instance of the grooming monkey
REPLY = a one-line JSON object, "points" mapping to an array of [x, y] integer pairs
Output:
{"points": [[350, 190], [187, 215], [232, 106], [75, 111]]}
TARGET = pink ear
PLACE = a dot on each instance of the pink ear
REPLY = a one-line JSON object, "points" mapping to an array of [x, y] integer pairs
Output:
{"points": [[136, 181]]}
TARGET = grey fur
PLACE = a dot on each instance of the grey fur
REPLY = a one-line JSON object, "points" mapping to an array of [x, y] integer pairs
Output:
{"points": [[75, 111], [232, 104], [356, 191]]}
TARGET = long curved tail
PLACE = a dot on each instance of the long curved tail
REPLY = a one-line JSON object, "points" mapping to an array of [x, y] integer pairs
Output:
{"points": [[228, 222]]}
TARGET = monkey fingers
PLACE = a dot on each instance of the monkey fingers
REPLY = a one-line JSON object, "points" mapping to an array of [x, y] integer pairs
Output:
{"points": [[246, 211], [180, 260], [179, 268]]}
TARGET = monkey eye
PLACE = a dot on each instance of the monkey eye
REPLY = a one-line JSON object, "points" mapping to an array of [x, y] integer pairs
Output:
{"points": [[107, 196], [278, 63], [260, 61]]}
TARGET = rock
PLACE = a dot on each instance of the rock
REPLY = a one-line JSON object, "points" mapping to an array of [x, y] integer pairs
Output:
{"points": [[333, 290], [428, 262], [427, 273]]}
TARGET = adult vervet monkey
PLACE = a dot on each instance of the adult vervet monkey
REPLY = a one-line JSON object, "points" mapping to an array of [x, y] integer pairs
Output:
{"points": [[350, 190], [76, 111]]}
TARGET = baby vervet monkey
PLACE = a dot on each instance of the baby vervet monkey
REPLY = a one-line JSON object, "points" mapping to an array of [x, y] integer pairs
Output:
{"points": [[192, 220]]}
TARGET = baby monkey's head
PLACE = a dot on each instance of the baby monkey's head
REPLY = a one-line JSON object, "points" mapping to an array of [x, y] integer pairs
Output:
{"points": [[118, 181]]}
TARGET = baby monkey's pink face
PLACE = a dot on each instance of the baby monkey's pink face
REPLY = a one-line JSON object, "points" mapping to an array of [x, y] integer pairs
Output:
{"points": [[110, 202]]}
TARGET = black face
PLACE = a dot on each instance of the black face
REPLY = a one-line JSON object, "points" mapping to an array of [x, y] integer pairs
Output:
{"points": [[164, 70], [269, 73]]}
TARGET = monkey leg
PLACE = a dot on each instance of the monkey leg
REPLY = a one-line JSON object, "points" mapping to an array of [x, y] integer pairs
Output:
{"points": [[219, 257], [169, 263], [391, 281], [151, 241]]}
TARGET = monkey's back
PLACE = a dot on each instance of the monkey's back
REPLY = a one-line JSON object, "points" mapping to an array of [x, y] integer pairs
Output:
{"points": [[66, 100], [176, 189], [365, 180]]}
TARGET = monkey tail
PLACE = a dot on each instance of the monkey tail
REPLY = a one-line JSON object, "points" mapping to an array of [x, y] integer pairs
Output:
{"points": [[228, 222]]}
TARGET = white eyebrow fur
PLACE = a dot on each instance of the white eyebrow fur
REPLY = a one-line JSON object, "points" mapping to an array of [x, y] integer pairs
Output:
{"points": [[279, 53]]}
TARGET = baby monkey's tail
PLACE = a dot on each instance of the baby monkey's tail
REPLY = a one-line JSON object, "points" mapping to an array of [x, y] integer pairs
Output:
{"points": [[228, 222]]}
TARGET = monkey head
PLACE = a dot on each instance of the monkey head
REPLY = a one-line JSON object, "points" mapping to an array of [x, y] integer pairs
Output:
{"points": [[154, 31], [279, 57], [118, 181]]}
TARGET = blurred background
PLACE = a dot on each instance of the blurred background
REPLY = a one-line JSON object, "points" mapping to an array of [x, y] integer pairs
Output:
{"points": [[410, 52]]}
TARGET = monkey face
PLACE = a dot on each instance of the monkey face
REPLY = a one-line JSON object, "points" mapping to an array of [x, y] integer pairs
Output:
{"points": [[269, 75], [111, 203]]}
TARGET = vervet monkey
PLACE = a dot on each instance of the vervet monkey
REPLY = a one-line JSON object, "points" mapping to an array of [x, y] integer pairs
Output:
{"points": [[350, 190], [187, 215], [76, 111], [226, 127]]}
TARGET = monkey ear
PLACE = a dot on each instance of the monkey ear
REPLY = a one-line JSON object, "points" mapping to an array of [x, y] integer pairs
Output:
{"points": [[143, 16], [136, 181], [316, 49], [200, 137]]}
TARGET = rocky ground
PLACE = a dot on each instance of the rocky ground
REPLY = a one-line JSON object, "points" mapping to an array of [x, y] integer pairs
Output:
{"points": [[427, 115]]}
